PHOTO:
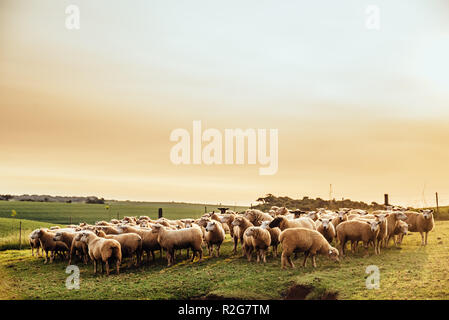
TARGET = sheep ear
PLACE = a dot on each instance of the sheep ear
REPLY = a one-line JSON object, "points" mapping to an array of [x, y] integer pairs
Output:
{"points": [[431, 210], [320, 219], [368, 222], [378, 222]]}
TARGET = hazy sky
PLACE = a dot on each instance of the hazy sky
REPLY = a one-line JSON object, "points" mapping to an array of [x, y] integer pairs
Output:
{"points": [[90, 111]]}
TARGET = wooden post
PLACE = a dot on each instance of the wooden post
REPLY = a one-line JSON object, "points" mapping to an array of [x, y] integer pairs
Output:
{"points": [[205, 209], [20, 235], [160, 213], [438, 206], [386, 200]]}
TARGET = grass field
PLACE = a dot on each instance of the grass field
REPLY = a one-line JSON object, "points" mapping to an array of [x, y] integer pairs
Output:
{"points": [[60, 213], [410, 272]]}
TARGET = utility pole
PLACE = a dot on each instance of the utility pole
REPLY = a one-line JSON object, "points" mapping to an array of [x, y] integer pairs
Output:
{"points": [[386, 203]]}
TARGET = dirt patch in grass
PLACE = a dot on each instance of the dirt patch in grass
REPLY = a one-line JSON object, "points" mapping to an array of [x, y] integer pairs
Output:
{"points": [[301, 292]]}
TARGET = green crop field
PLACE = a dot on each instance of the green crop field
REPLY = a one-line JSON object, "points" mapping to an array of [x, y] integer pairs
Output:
{"points": [[63, 213], [409, 272]]}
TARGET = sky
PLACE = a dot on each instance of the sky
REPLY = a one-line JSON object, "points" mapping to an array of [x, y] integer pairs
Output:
{"points": [[90, 111]]}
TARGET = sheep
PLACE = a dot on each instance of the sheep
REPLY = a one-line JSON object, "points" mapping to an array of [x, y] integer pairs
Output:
{"points": [[108, 229], [79, 247], [355, 230], [274, 235], [75, 245], [130, 243], [215, 235], [283, 223], [311, 242], [227, 220], [313, 215], [260, 240], [102, 251], [399, 232], [256, 217], [149, 239], [240, 224], [342, 216], [35, 243], [326, 228], [421, 222], [392, 220], [179, 239], [48, 244], [102, 223]]}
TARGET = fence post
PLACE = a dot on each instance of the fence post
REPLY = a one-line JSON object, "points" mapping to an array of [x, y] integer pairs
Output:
{"points": [[160, 213], [438, 206], [205, 209], [20, 235], [386, 200]]}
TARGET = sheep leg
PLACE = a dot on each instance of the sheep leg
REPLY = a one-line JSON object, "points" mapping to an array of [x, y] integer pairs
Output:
{"points": [[343, 244], [107, 267], [217, 248], [153, 256], [422, 238], [306, 255], [209, 248], [275, 250], [236, 240], [290, 261], [46, 256], [188, 253], [118, 266], [201, 254], [52, 256], [263, 253], [313, 260], [257, 256], [365, 244], [95, 266], [194, 255], [284, 260]]}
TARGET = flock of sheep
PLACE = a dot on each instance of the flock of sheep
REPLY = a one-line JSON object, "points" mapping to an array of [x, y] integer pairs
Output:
{"points": [[107, 243]]}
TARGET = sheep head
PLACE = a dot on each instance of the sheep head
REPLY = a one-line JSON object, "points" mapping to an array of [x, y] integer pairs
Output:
{"points": [[374, 225], [427, 213], [333, 254], [325, 223]]}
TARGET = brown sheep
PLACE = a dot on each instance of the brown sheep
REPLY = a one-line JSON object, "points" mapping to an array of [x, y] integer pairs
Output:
{"points": [[48, 244], [393, 219], [399, 232], [149, 239], [171, 240], [283, 223], [35, 243], [256, 217], [421, 222], [130, 243], [108, 229], [260, 240], [311, 242], [75, 245], [356, 230], [274, 235], [326, 228], [342, 215], [240, 224], [215, 235], [102, 251], [227, 219]]}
